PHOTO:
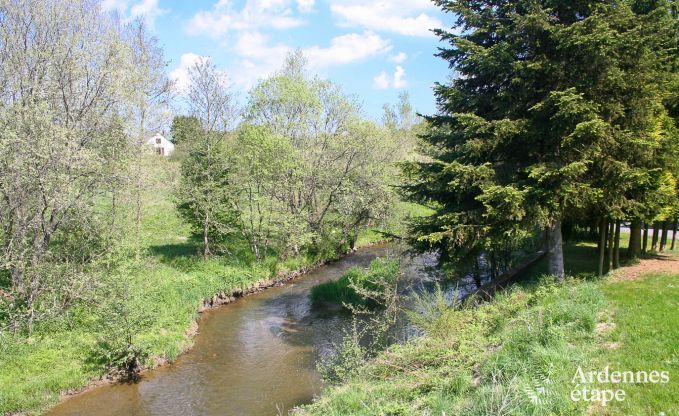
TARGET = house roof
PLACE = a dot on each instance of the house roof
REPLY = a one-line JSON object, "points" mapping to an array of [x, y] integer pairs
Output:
{"points": [[156, 136]]}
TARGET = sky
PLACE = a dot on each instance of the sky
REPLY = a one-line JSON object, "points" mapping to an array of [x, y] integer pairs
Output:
{"points": [[374, 49]]}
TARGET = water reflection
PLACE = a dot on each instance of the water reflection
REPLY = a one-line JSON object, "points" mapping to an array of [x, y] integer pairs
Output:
{"points": [[253, 357]]}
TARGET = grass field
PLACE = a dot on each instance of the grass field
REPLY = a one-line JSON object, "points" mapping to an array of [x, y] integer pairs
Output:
{"points": [[518, 354], [645, 337], [167, 286]]}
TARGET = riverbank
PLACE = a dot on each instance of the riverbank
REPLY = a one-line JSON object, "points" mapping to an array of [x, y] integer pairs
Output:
{"points": [[223, 298], [518, 354], [168, 286]]}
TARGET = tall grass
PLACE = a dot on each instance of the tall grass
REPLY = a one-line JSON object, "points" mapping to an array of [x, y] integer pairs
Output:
{"points": [[513, 356], [346, 290]]}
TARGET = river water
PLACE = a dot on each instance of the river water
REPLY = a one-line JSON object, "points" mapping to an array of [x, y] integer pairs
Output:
{"points": [[256, 356]]}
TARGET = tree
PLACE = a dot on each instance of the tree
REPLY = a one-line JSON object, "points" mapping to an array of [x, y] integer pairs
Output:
{"points": [[184, 128], [323, 127], [402, 123], [60, 95], [150, 93], [261, 163], [204, 195], [530, 133]]}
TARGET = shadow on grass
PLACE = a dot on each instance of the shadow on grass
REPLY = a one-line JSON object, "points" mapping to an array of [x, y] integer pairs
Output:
{"points": [[188, 255], [581, 260], [170, 252], [5, 280]]}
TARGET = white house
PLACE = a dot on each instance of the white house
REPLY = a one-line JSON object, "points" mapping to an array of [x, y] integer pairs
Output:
{"points": [[161, 145]]}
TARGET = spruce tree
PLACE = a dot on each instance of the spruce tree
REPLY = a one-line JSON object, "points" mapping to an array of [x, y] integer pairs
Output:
{"points": [[541, 121]]}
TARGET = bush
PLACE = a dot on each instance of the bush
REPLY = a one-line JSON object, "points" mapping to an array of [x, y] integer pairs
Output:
{"points": [[343, 363], [122, 316], [360, 287]]}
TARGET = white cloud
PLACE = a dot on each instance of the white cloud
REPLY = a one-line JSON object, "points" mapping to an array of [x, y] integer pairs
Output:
{"points": [[261, 57], [384, 81], [347, 49], [149, 10], [399, 78], [224, 18], [398, 58], [181, 74], [306, 6], [405, 17], [258, 53]]}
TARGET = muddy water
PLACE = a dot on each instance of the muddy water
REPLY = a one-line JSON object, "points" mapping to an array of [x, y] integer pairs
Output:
{"points": [[253, 357]]}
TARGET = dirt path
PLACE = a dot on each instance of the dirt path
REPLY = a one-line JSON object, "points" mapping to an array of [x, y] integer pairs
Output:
{"points": [[660, 263]]}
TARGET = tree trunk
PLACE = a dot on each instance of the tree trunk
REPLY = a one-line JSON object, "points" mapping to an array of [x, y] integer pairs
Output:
{"points": [[654, 241], [611, 238], [555, 253], [206, 240], [477, 271], [616, 246], [139, 182], [674, 233], [634, 248], [644, 242], [663, 237], [602, 244]]}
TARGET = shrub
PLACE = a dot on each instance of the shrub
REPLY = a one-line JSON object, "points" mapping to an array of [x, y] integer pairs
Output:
{"points": [[360, 287]]}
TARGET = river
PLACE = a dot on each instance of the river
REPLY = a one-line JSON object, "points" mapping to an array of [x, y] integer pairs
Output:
{"points": [[256, 356]]}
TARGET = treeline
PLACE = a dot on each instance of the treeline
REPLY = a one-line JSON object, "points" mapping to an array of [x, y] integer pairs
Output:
{"points": [[297, 170], [302, 172], [79, 92], [564, 115]]}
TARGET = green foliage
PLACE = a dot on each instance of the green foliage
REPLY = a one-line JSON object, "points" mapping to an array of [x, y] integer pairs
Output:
{"points": [[491, 359], [334, 176], [122, 316], [356, 285], [204, 198], [185, 129], [344, 363], [557, 111], [262, 168]]}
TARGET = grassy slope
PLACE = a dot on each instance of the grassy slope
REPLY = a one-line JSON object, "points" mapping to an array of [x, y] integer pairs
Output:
{"points": [[498, 358], [168, 285]]}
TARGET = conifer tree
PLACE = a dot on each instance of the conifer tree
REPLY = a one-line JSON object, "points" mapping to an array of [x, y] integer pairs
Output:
{"points": [[548, 116]]}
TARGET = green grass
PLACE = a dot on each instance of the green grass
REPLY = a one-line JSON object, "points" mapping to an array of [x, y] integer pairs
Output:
{"points": [[581, 259], [341, 291], [518, 354], [167, 286], [645, 338], [475, 361]]}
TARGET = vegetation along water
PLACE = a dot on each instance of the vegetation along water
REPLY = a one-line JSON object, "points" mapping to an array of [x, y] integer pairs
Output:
{"points": [[189, 241]]}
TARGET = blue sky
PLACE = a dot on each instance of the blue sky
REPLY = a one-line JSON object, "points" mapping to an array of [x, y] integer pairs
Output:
{"points": [[374, 49]]}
